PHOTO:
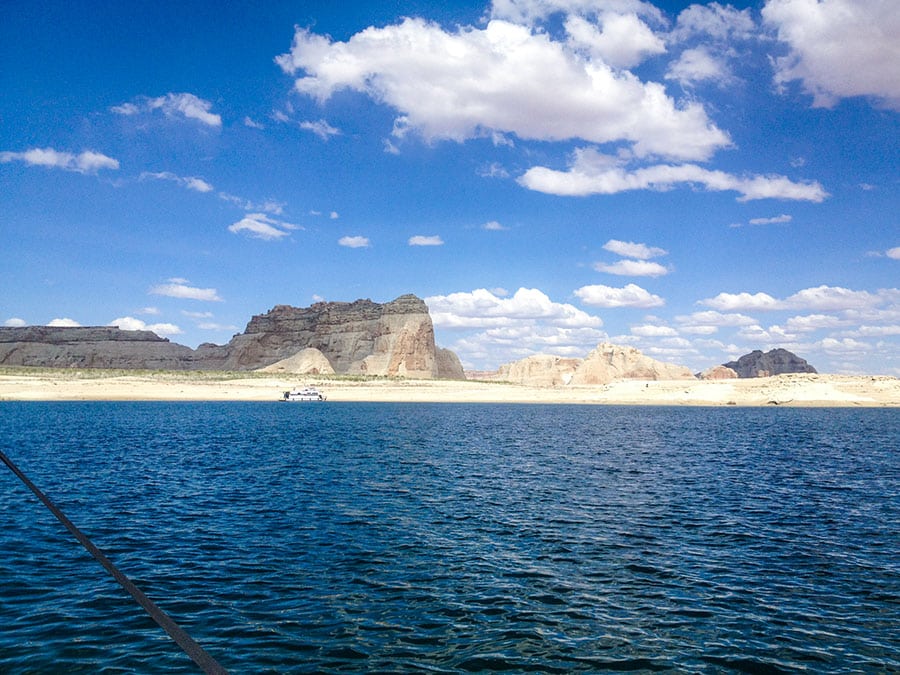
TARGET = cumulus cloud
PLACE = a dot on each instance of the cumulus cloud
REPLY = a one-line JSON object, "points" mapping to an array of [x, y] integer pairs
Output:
{"points": [[893, 253], [188, 106], [131, 323], [713, 22], [261, 226], [496, 328], [189, 182], [15, 322], [483, 309], [698, 65], [653, 330], [85, 162], [64, 323], [621, 40], [422, 240], [494, 226], [838, 48], [591, 172], [820, 298], [506, 78], [632, 268], [631, 295], [630, 249], [179, 288], [354, 242]]}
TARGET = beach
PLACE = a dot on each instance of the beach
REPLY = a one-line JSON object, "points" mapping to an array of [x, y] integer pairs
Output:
{"points": [[786, 390]]}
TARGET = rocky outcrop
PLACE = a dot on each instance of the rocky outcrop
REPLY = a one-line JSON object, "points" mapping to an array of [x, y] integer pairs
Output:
{"points": [[91, 347], [362, 337], [718, 373], [774, 362], [309, 361], [541, 370], [604, 364], [609, 362]]}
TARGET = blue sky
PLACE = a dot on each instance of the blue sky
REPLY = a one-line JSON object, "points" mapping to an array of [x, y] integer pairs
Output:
{"points": [[695, 180]]}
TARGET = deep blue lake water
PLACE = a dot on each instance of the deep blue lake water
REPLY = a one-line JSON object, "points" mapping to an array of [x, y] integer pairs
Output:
{"points": [[351, 537]]}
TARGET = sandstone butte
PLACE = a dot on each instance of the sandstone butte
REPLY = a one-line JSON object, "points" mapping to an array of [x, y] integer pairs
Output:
{"points": [[363, 337]]}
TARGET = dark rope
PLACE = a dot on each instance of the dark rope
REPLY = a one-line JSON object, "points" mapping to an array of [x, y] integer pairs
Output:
{"points": [[206, 662]]}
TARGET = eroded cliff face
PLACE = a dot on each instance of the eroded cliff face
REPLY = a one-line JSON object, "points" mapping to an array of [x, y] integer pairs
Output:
{"points": [[362, 337], [91, 347]]}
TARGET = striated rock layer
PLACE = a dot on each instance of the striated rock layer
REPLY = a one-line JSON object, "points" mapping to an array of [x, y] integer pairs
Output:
{"points": [[362, 337], [774, 362]]}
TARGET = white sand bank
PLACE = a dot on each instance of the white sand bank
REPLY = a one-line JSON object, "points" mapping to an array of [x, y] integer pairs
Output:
{"points": [[796, 390]]}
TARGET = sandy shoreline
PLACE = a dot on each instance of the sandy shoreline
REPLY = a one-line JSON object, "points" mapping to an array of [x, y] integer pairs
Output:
{"points": [[788, 390]]}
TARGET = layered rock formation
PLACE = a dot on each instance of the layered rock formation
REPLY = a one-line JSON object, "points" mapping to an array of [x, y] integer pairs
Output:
{"points": [[718, 373], [541, 370], [362, 337], [604, 364], [97, 347], [774, 362], [610, 362]]}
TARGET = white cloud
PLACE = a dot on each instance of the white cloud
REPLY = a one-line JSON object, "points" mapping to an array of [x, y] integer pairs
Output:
{"points": [[483, 309], [622, 40], [268, 206], [253, 124], [651, 330], [494, 226], [631, 295], [713, 318], [189, 182], [839, 48], [421, 240], [698, 65], [64, 323], [503, 78], [893, 253], [832, 298], [15, 322], [716, 22], [354, 242], [130, 323], [812, 322], [320, 128], [184, 105], [630, 249], [334, 215], [85, 162], [730, 302], [632, 268], [783, 218], [593, 173], [178, 288], [261, 226]]}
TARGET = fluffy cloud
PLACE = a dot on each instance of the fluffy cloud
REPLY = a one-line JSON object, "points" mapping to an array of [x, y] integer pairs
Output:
{"points": [[261, 226], [504, 78], [85, 162], [130, 323], [178, 288], [712, 318], [821, 298], [64, 323], [421, 240], [184, 105], [893, 253], [632, 268], [591, 172], [630, 249], [482, 309], [697, 65], [15, 322], [631, 295], [621, 40], [354, 242], [838, 48], [652, 330], [189, 182]]}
